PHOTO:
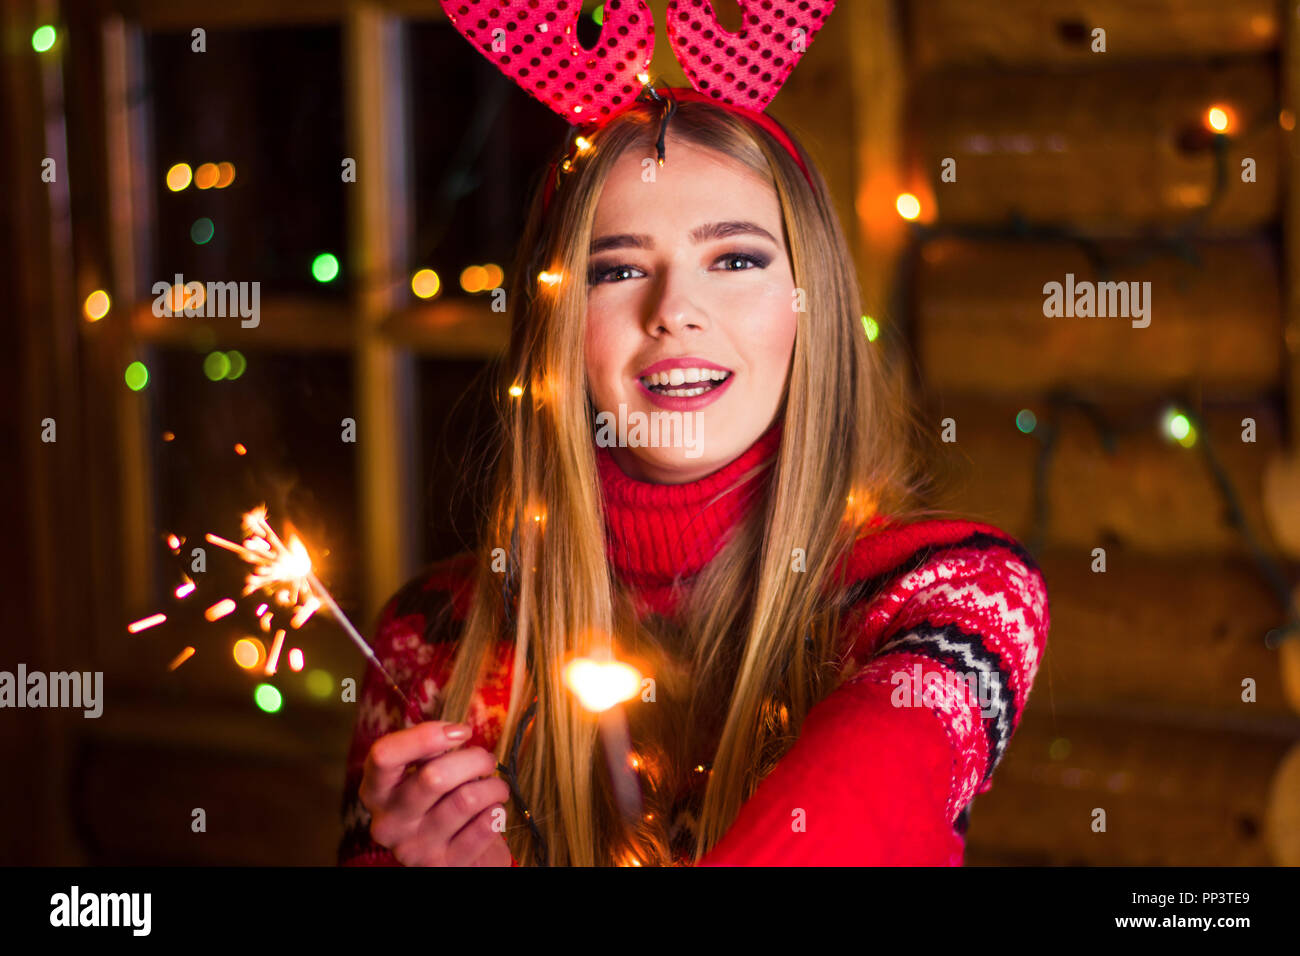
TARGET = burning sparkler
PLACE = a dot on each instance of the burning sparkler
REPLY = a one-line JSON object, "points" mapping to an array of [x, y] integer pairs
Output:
{"points": [[284, 571]]}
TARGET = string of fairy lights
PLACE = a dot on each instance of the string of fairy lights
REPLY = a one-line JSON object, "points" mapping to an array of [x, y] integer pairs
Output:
{"points": [[1176, 423]]}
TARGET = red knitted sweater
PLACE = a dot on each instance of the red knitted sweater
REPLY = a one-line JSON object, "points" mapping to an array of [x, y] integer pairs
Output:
{"points": [[947, 624]]}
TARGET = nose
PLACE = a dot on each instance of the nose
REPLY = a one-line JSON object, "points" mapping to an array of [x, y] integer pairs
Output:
{"points": [[675, 308]]}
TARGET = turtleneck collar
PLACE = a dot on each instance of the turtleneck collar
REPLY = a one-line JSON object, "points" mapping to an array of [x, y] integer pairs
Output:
{"points": [[656, 533]]}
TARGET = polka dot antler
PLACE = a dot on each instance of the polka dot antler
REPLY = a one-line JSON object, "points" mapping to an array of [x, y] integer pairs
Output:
{"points": [[535, 43], [746, 68]]}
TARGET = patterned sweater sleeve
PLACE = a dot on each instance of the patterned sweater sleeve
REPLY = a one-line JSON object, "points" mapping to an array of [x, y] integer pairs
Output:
{"points": [[947, 640], [407, 642]]}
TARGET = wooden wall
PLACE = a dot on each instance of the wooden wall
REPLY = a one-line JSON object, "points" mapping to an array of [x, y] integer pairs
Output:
{"points": [[1099, 164]]}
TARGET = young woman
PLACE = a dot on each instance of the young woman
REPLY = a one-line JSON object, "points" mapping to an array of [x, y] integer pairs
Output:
{"points": [[835, 674]]}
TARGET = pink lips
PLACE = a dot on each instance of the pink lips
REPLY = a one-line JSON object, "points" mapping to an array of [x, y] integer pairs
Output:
{"points": [[676, 403]]}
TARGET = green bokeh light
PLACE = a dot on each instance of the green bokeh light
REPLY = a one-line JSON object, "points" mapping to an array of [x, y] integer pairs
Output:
{"points": [[325, 267], [137, 376], [237, 364], [320, 683], [870, 326], [268, 698], [1177, 425], [1026, 420], [202, 231], [43, 38], [598, 15], [216, 365]]}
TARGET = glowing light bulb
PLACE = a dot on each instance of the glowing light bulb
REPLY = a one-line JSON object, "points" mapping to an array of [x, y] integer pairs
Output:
{"points": [[1220, 119], [137, 376], [908, 206], [179, 177], [473, 279], [325, 267], [267, 698], [249, 652], [43, 38], [206, 176], [97, 305], [601, 684], [426, 284]]}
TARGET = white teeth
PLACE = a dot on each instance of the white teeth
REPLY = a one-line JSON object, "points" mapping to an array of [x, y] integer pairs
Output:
{"points": [[684, 376]]}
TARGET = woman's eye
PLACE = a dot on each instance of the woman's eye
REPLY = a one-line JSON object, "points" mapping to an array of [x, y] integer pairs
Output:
{"points": [[757, 262], [599, 276]]}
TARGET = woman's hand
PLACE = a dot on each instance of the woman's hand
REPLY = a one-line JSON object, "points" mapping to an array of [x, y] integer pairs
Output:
{"points": [[432, 800]]}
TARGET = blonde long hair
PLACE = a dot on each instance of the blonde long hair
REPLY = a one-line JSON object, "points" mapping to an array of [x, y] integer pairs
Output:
{"points": [[754, 646]]}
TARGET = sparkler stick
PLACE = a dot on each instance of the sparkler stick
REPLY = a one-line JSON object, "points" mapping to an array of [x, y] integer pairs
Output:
{"points": [[600, 686], [328, 600], [618, 753]]}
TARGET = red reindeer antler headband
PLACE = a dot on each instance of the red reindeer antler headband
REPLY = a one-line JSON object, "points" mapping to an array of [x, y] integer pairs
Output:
{"points": [[534, 42]]}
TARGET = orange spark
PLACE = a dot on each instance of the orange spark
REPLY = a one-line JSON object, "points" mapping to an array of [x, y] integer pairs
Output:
{"points": [[308, 608], [220, 609], [181, 658], [273, 661], [146, 622]]}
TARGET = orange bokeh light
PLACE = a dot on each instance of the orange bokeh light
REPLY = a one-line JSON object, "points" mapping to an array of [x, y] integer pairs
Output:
{"points": [[97, 305], [206, 176], [249, 652]]}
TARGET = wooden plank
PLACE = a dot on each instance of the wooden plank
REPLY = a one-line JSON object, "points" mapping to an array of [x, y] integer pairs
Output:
{"points": [[1168, 636], [130, 222], [287, 324], [1214, 322], [236, 14], [379, 238], [1173, 796], [1149, 494], [1032, 33], [1283, 819], [456, 328], [1104, 151], [1289, 90]]}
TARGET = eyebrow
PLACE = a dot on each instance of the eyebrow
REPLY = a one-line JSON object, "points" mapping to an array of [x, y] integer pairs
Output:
{"points": [[704, 233]]}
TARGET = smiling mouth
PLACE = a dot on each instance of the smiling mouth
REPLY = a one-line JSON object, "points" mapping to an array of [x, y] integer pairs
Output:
{"points": [[685, 382]]}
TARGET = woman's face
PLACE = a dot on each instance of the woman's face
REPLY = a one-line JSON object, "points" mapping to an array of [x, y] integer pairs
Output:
{"points": [[690, 310]]}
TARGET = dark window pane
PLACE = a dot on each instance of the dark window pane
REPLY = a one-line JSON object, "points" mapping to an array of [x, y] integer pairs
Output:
{"points": [[479, 143], [456, 439], [271, 103]]}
